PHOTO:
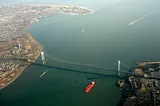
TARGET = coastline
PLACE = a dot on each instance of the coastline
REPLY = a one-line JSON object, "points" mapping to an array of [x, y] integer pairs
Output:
{"points": [[92, 11], [22, 69], [35, 52], [77, 14], [15, 77]]}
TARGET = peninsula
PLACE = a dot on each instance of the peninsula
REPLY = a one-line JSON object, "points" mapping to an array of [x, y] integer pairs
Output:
{"points": [[18, 49]]}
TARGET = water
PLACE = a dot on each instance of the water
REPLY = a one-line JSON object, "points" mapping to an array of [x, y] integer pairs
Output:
{"points": [[107, 38]]}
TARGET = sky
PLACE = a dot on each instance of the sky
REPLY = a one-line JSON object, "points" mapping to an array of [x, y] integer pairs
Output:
{"points": [[81, 2], [37, 1], [94, 4], [86, 3]]}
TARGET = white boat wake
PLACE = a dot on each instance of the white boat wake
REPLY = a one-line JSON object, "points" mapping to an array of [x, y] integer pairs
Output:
{"points": [[133, 22], [137, 20]]}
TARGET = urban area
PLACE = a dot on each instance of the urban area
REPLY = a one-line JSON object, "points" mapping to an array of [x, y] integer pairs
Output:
{"points": [[141, 86], [17, 47]]}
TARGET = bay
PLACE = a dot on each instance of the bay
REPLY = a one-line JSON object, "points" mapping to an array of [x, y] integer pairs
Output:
{"points": [[107, 38]]}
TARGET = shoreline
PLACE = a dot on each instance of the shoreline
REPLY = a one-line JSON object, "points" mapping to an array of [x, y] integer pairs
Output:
{"points": [[22, 69], [36, 52], [74, 14], [71, 6]]}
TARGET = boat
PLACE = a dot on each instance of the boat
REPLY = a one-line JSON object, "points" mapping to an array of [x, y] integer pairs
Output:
{"points": [[82, 29], [89, 87], [43, 74]]}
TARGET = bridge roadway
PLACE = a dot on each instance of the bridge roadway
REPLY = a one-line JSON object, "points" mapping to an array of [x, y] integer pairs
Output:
{"points": [[80, 64], [85, 65], [67, 62]]}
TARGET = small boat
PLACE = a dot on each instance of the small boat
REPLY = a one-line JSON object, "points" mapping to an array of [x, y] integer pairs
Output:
{"points": [[43, 74], [83, 30], [88, 88]]}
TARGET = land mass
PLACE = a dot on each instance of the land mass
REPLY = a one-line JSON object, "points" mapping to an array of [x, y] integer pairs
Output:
{"points": [[18, 49], [141, 86]]}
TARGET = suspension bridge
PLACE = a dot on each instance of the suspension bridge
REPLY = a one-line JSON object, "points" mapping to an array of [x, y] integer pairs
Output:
{"points": [[44, 60]]}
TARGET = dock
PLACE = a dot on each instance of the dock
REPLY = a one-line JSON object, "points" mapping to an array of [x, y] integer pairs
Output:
{"points": [[141, 64]]}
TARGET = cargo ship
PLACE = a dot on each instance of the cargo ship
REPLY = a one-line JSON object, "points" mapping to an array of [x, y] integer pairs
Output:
{"points": [[89, 87]]}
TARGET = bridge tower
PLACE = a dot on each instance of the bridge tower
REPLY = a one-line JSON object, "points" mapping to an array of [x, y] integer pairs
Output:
{"points": [[43, 57], [119, 67]]}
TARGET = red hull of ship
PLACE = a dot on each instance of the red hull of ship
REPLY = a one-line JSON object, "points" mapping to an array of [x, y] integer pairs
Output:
{"points": [[88, 88]]}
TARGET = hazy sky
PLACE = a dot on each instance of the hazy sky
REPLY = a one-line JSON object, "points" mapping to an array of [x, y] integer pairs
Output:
{"points": [[95, 4], [145, 6]]}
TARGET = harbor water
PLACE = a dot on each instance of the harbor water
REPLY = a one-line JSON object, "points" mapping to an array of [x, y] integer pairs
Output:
{"points": [[108, 37]]}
